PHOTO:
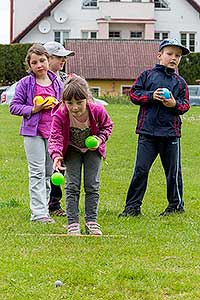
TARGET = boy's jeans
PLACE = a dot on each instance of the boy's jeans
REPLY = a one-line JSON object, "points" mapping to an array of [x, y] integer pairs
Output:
{"points": [[147, 151]]}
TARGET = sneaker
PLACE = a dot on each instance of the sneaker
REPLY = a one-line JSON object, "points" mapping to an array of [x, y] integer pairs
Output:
{"points": [[92, 228], [45, 220], [172, 210], [58, 213], [73, 229], [133, 212]]}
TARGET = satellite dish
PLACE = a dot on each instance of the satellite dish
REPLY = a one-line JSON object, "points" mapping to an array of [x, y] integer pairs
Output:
{"points": [[44, 26], [60, 16]]}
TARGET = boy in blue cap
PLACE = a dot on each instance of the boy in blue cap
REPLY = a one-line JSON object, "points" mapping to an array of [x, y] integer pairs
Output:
{"points": [[159, 128]]}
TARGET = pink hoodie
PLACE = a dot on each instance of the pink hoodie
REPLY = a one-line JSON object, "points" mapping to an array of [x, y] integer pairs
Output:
{"points": [[100, 124]]}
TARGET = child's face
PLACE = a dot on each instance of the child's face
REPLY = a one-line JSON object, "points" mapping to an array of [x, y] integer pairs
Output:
{"points": [[77, 107], [170, 56], [56, 63], [39, 64]]}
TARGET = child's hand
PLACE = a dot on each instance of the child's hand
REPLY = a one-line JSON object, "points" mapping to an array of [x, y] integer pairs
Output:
{"points": [[157, 95], [57, 164], [38, 107], [97, 146], [171, 102]]}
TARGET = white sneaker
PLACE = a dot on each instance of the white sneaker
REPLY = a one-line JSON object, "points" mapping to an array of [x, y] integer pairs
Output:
{"points": [[93, 228], [45, 220], [73, 229]]}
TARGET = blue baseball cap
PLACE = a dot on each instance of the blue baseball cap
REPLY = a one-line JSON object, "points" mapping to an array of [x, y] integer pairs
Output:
{"points": [[173, 42]]}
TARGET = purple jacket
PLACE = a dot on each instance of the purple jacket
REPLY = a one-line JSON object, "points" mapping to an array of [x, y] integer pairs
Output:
{"points": [[22, 102], [100, 124]]}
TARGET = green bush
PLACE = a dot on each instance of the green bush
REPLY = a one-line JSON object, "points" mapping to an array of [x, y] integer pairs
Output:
{"points": [[116, 99], [190, 67], [12, 66]]}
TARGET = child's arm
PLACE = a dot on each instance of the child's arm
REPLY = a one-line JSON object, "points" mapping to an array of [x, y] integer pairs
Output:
{"points": [[18, 105], [180, 105], [55, 142], [138, 94], [182, 100], [105, 125]]}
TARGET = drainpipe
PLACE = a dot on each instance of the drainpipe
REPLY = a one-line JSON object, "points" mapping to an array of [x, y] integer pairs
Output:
{"points": [[11, 21]]}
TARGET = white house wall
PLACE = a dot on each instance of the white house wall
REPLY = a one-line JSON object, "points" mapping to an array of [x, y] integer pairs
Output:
{"points": [[180, 17], [25, 11]]}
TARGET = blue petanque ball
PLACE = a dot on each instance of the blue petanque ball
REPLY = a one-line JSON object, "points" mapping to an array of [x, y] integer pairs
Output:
{"points": [[58, 283], [91, 142], [57, 178], [165, 93]]}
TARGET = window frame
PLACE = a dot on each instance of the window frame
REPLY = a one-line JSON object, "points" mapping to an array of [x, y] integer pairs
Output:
{"points": [[61, 38], [187, 43]]}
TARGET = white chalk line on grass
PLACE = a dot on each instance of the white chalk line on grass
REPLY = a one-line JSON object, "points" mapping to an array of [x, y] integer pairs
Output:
{"points": [[68, 235]]}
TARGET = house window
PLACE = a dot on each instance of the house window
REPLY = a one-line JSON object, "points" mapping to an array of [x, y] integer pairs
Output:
{"points": [[95, 91], [161, 35], [61, 36], [188, 40], [160, 4], [93, 34], [114, 35], [136, 35], [89, 3], [125, 89], [89, 34]]}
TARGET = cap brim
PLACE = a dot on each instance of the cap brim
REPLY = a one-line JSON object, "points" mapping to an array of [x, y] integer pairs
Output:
{"points": [[62, 53], [185, 51]]}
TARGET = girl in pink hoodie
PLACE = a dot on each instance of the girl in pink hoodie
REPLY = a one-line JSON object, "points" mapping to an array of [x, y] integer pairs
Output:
{"points": [[76, 118]]}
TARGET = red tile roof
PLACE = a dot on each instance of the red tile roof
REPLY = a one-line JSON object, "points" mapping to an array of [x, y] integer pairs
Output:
{"points": [[111, 59]]}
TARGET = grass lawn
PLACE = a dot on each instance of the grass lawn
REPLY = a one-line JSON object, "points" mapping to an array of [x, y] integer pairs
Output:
{"points": [[147, 257]]}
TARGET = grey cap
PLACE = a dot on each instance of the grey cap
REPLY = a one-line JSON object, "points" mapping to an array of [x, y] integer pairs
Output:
{"points": [[174, 42], [57, 49]]}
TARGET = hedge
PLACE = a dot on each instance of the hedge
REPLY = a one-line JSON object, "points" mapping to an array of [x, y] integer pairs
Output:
{"points": [[12, 66]]}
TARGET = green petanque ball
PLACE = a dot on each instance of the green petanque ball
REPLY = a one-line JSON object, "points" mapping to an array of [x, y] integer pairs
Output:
{"points": [[91, 142], [57, 178]]}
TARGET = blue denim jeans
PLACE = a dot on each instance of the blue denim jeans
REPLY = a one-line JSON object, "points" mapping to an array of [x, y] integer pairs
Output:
{"points": [[91, 164]]}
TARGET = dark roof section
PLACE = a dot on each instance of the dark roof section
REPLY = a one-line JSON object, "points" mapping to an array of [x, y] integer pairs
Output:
{"points": [[111, 59], [194, 4], [45, 13]]}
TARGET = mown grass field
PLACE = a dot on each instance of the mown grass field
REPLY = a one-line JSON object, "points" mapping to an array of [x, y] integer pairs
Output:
{"points": [[143, 258]]}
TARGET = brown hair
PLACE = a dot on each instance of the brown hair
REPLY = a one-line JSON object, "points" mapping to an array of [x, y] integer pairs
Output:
{"points": [[75, 87], [37, 49]]}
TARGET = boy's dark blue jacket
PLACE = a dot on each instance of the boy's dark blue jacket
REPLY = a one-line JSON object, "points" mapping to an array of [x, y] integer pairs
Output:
{"points": [[154, 118]]}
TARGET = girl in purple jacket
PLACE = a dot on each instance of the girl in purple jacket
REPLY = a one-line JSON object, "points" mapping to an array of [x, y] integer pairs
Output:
{"points": [[73, 121], [35, 95]]}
